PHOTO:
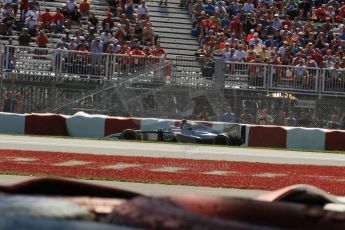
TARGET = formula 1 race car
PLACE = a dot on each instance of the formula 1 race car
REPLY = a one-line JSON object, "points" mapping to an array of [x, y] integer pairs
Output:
{"points": [[187, 132]]}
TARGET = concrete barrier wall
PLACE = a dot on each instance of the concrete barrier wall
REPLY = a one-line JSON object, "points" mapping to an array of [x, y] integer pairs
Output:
{"points": [[12, 123], [305, 138], [267, 136], [46, 124], [85, 125], [335, 140], [96, 126]]}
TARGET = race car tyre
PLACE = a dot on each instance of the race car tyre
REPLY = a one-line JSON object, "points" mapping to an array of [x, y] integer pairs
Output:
{"points": [[235, 141], [129, 134], [221, 140]]}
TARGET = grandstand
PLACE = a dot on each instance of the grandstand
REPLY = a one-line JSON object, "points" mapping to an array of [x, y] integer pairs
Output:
{"points": [[209, 63]]}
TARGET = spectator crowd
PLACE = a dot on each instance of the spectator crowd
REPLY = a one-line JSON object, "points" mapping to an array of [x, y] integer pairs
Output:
{"points": [[123, 30], [306, 33]]}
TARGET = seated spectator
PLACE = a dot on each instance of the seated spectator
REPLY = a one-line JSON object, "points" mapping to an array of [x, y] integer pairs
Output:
{"points": [[333, 122], [264, 53], [158, 51], [78, 37], [59, 21], [14, 6], [42, 40], [330, 13], [142, 11], [70, 7], [108, 23], [228, 115], [236, 26], [34, 12], [121, 34], [66, 39], [280, 119], [124, 20], [197, 9], [204, 114], [47, 20], [24, 38], [246, 117], [75, 17], [239, 54], [305, 7], [129, 11], [148, 34], [290, 120], [210, 9], [320, 13], [9, 21], [93, 21], [18, 106], [10, 59], [59, 56], [113, 6], [106, 38], [34, 5], [84, 8], [263, 118], [24, 7], [301, 73], [292, 9], [31, 24], [137, 59], [91, 35], [302, 120], [220, 9]]}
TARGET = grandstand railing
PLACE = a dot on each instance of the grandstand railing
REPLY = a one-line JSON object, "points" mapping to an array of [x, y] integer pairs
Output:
{"points": [[258, 76], [183, 71], [70, 63]]}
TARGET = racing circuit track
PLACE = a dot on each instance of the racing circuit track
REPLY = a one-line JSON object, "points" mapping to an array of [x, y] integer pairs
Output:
{"points": [[124, 148], [172, 153]]}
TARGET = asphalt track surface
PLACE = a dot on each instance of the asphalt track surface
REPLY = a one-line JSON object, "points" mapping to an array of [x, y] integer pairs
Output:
{"points": [[123, 148]]}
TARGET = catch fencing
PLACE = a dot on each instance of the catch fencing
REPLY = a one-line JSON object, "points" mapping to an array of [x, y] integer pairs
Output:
{"points": [[189, 87]]}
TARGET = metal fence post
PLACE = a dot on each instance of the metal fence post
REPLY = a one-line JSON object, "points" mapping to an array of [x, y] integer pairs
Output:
{"points": [[321, 81], [219, 65], [1, 69], [219, 68]]}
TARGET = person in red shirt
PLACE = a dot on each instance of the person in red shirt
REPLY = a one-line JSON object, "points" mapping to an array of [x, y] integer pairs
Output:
{"points": [[59, 20], [250, 36], [84, 8], [205, 25], [320, 13], [287, 22], [24, 7], [342, 11], [158, 51], [212, 42], [236, 26], [47, 19], [122, 58], [42, 40], [317, 57], [137, 57]]}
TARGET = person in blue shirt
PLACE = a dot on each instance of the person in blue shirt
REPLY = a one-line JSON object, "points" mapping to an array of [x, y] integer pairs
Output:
{"points": [[210, 9], [228, 116]]}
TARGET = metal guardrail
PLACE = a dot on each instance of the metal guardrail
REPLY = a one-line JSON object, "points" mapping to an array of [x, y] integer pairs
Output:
{"points": [[257, 76], [70, 63], [184, 71]]}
